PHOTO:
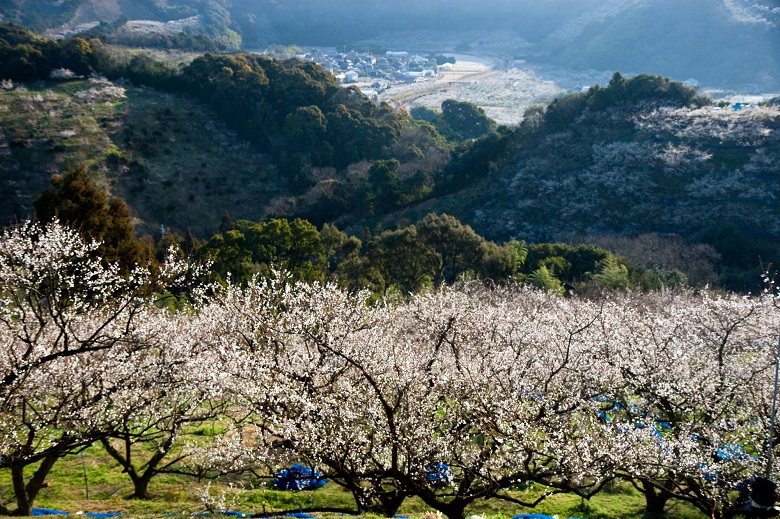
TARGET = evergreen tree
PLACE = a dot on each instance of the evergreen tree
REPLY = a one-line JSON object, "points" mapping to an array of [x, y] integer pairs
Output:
{"points": [[541, 278], [459, 249], [612, 275], [462, 120], [190, 243], [227, 224], [77, 201]]}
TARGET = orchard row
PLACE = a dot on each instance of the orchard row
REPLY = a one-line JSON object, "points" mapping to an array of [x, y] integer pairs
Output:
{"points": [[453, 395]]}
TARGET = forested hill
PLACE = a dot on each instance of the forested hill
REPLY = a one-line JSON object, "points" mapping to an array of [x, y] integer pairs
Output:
{"points": [[641, 155], [260, 138]]}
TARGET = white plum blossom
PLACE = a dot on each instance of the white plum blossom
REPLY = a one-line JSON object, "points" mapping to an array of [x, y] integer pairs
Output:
{"points": [[101, 94]]}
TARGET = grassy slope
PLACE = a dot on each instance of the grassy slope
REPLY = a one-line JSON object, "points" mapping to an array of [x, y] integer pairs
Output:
{"points": [[167, 156]]}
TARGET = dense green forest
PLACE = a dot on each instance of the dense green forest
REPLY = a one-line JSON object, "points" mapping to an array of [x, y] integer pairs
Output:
{"points": [[643, 158], [25, 56], [435, 251]]}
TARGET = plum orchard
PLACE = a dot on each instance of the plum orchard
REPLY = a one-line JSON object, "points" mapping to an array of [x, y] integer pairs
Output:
{"points": [[504, 386]]}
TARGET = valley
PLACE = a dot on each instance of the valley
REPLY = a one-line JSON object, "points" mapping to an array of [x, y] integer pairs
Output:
{"points": [[455, 257]]}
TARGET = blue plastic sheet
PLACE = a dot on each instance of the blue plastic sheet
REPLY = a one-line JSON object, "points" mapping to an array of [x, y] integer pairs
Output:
{"points": [[438, 474], [533, 516], [734, 452], [48, 511], [298, 477]]}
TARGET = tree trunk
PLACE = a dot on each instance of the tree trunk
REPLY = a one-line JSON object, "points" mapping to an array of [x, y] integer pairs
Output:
{"points": [[455, 509], [25, 493], [390, 505], [140, 479], [375, 499], [655, 498], [23, 504], [141, 485]]}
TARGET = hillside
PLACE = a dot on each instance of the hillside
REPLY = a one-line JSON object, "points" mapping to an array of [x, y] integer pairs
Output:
{"points": [[728, 44], [173, 161], [297, 142], [600, 163], [138, 22]]}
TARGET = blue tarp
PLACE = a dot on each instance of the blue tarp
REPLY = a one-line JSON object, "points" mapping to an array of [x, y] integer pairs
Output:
{"points": [[298, 477], [47, 511], [438, 474], [533, 516], [734, 452]]}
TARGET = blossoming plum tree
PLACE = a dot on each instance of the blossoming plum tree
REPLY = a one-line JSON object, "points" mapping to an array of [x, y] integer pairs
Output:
{"points": [[473, 379], [695, 371], [74, 334], [173, 394]]}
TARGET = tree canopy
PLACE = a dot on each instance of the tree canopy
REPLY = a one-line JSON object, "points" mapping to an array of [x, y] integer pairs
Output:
{"points": [[25, 56]]}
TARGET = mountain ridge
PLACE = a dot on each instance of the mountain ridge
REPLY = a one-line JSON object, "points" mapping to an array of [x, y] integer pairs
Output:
{"points": [[725, 44], [263, 138]]}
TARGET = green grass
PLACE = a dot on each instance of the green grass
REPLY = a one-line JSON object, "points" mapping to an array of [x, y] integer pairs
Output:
{"points": [[108, 488]]}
